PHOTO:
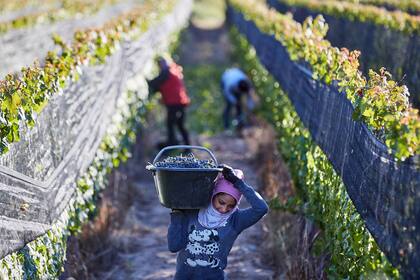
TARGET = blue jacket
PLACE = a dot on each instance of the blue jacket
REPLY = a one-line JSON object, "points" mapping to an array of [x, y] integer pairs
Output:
{"points": [[202, 252]]}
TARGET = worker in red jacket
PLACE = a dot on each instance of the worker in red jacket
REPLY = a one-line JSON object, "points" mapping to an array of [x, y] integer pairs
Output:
{"points": [[170, 84]]}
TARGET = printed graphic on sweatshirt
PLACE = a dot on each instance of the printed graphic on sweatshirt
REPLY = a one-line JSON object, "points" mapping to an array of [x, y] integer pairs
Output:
{"points": [[202, 245]]}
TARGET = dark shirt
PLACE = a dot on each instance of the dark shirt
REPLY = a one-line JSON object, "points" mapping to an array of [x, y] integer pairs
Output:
{"points": [[203, 252]]}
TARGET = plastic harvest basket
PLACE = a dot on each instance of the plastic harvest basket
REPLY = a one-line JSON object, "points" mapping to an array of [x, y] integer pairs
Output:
{"points": [[184, 188]]}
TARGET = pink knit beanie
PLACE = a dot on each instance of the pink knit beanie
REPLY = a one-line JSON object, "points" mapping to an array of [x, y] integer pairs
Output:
{"points": [[224, 186]]}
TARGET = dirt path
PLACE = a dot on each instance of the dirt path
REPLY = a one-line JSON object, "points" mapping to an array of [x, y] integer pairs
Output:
{"points": [[211, 46], [140, 246]]}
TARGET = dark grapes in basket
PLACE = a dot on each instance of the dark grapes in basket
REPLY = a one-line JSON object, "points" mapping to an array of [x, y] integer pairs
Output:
{"points": [[188, 161]]}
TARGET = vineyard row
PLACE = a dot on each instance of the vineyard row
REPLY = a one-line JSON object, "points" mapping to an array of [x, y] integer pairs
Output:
{"points": [[381, 103], [377, 184], [68, 10], [396, 20], [110, 99]]}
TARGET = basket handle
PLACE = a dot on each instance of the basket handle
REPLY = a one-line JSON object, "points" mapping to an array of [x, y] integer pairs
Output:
{"points": [[185, 147]]}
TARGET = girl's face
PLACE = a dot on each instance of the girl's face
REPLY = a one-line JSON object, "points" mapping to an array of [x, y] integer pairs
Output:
{"points": [[223, 202]]}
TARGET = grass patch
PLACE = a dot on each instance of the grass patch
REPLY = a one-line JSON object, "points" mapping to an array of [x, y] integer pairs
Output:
{"points": [[208, 13]]}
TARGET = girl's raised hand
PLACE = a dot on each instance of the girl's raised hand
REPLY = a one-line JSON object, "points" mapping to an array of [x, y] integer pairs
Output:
{"points": [[229, 174]]}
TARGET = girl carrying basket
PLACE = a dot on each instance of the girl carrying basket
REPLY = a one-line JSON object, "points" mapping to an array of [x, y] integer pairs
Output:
{"points": [[203, 238]]}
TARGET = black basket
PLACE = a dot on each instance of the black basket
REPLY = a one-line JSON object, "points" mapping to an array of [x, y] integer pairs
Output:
{"points": [[184, 188]]}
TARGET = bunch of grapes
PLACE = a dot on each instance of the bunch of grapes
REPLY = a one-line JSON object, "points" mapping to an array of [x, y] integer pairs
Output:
{"points": [[188, 161]]}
